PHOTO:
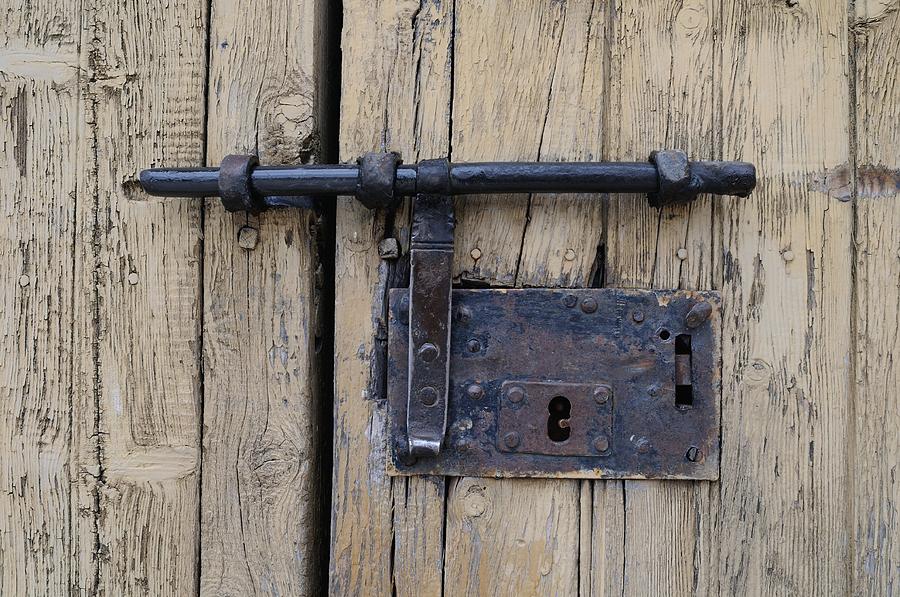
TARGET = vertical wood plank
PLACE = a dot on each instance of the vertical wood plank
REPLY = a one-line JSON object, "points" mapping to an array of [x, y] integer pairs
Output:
{"points": [[540, 102], [663, 97], [137, 336], [395, 97], [261, 509], [783, 525], [39, 156], [875, 450]]}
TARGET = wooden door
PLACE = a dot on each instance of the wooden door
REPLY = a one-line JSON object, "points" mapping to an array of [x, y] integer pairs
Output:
{"points": [[160, 377], [807, 266]]}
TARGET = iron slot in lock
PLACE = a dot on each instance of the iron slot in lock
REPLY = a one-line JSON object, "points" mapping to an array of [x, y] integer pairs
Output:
{"points": [[447, 413], [684, 391]]}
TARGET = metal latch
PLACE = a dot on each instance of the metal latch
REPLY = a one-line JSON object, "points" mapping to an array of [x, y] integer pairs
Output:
{"points": [[591, 383], [530, 384]]}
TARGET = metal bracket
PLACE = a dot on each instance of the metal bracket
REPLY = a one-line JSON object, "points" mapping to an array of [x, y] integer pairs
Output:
{"points": [[431, 259]]}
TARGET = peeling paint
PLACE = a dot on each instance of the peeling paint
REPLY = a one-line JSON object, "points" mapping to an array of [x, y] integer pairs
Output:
{"points": [[871, 182]]}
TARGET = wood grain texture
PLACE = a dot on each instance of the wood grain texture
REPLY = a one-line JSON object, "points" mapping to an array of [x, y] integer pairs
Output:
{"points": [[541, 102], [261, 509], [783, 521], [395, 96], [662, 88], [38, 165], [137, 336], [875, 448]]}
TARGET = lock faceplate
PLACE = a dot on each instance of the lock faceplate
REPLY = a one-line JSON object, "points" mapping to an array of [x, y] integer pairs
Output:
{"points": [[592, 383]]}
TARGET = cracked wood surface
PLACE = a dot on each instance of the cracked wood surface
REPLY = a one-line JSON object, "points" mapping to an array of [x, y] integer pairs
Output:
{"points": [[781, 519], [136, 394], [104, 326], [874, 451], [261, 496], [660, 66], [767, 82], [395, 95], [38, 146]]}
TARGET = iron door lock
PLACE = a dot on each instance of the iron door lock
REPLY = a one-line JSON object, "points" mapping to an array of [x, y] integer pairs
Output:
{"points": [[599, 383]]}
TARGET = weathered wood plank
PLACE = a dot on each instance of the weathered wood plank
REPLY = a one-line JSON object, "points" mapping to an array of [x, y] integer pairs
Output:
{"points": [[540, 102], [662, 64], [261, 510], [786, 260], [137, 336], [874, 447], [395, 96], [38, 164]]}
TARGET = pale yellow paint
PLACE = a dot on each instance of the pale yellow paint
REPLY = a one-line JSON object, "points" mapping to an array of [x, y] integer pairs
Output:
{"points": [[808, 413], [261, 511], [104, 316], [874, 453]]}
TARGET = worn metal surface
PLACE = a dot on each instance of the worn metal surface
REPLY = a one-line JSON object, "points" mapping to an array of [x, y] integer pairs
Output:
{"points": [[379, 180], [234, 184], [431, 259], [375, 181], [578, 341]]}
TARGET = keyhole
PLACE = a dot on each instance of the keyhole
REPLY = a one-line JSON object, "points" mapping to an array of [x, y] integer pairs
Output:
{"points": [[558, 422]]}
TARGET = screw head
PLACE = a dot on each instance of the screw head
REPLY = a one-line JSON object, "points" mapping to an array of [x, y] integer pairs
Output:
{"points": [[475, 253], [570, 255], [643, 445], [570, 300], [637, 316], [694, 454], [788, 256], [601, 443], [389, 248], [515, 394], [589, 305], [428, 352], [473, 345], [248, 236], [698, 314], [511, 439], [475, 391], [428, 396], [602, 393], [681, 253]]}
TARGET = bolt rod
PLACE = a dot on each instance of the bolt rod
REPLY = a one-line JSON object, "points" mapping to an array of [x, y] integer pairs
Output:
{"points": [[727, 178]]}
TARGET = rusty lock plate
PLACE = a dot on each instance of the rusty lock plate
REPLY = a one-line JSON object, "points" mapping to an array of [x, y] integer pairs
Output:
{"points": [[593, 383]]}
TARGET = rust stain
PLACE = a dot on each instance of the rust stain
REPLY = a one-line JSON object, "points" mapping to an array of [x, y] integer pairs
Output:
{"points": [[872, 181]]}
